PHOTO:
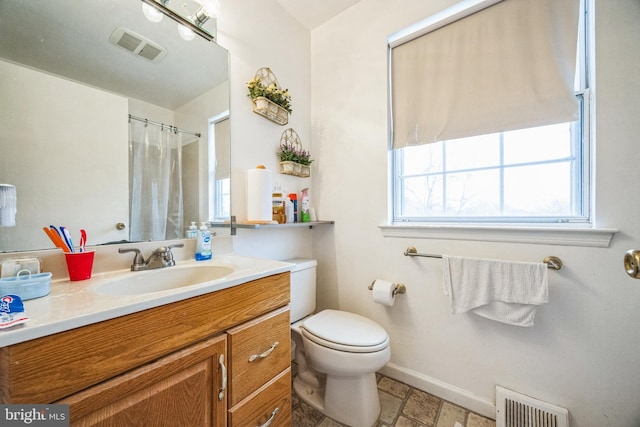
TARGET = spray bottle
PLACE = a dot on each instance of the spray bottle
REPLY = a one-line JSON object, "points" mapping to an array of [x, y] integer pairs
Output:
{"points": [[305, 204], [294, 199]]}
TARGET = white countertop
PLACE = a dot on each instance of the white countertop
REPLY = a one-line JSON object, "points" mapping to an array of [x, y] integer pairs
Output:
{"points": [[71, 305]]}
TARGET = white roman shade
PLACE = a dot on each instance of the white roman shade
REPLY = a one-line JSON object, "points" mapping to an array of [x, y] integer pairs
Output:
{"points": [[508, 66]]}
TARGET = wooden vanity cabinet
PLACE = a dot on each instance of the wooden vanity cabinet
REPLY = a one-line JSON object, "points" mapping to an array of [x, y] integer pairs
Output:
{"points": [[161, 366]]}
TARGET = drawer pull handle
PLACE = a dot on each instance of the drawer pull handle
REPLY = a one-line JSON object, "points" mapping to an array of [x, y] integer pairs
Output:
{"points": [[265, 354], [270, 420], [224, 377]]}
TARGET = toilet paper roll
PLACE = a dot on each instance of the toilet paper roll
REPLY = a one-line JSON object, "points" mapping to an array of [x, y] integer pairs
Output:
{"points": [[383, 292], [259, 195]]}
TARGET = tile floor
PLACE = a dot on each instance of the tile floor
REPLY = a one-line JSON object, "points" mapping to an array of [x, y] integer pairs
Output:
{"points": [[400, 406]]}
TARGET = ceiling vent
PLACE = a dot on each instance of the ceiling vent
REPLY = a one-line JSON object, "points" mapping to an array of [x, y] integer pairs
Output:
{"points": [[137, 45]]}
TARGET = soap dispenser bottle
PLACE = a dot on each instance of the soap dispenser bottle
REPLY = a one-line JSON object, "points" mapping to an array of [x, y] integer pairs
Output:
{"points": [[192, 232], [203, 245]]}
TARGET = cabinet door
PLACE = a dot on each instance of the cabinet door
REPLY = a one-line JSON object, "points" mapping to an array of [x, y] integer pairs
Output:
{"points": [[258, 351], [182, 389]]}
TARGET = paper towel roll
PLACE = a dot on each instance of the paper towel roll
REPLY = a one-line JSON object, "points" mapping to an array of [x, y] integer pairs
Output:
{"points": [[259, 195], [383, 292]]}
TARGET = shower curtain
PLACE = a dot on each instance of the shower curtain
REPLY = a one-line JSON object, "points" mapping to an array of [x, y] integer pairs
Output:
{"points": [[155, 182]]}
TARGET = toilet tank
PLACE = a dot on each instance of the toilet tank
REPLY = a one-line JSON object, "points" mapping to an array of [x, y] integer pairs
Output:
{"points": [[303, 287]]}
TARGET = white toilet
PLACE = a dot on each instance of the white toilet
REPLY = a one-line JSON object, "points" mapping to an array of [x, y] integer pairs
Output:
{"points": [[338, 354]]}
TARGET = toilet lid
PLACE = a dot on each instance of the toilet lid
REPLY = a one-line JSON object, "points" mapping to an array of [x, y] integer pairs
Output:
{"points": [[345, 331]]}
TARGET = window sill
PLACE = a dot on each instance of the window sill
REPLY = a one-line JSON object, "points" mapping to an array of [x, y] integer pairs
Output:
{"points": [[563, 236]]}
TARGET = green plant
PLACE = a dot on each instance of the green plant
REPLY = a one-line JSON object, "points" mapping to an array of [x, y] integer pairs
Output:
{"points": [[293, 153], [273, 93]]}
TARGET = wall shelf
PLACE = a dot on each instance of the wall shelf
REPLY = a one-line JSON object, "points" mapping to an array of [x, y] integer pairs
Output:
{"points": [[285, 225], [235, 225]]}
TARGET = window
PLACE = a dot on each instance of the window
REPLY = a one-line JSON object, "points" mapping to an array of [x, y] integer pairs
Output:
{"points": [[530, 175], [222, 208], [520, 174], [219, 180]]}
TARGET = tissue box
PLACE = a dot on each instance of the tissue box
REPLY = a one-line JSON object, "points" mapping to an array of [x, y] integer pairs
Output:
{"points": [[26, 285]]}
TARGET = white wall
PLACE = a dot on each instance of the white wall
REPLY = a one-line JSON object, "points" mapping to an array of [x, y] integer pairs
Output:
{"points": [[584, 350], [261, 34]]}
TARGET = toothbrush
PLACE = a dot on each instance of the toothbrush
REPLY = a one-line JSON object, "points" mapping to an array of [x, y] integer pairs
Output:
{"points": [[60, 236], [67, 238], [83, 240], [55, 238]]}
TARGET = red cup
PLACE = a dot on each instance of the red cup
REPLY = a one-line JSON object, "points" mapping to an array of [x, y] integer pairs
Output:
{"points": [[79, 264]]}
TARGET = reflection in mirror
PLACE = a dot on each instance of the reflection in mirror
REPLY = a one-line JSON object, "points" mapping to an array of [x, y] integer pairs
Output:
{"points": [[71, 74]]}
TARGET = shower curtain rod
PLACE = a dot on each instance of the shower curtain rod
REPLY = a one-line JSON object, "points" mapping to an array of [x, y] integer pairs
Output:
{"points": [[173, 128]]}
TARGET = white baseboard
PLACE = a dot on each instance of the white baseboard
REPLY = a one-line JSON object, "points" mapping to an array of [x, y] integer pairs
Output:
{"points": [[440, 389]]}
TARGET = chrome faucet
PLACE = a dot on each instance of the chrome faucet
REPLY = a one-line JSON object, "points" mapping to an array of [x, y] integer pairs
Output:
{"points": [[160, 258]]}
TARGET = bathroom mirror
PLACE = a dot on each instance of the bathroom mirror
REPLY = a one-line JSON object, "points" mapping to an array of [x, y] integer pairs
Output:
{"points": [[66, 96]]}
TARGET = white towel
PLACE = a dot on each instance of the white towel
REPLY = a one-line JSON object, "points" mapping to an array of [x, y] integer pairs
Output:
{"points": [[505, 291]]}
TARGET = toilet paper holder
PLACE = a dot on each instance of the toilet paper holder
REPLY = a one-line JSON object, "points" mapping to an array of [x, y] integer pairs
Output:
{"points": [[398, 288]]}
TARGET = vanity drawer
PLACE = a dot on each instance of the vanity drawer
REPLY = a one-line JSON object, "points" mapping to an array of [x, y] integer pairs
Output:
{"points": [[270, 405], [258, 351]]}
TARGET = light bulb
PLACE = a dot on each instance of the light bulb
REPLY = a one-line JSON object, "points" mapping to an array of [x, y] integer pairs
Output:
{"points": [[151, 13], [186, 33]]}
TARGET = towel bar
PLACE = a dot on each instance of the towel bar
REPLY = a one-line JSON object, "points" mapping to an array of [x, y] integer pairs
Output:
{"points": [[553, 262]]}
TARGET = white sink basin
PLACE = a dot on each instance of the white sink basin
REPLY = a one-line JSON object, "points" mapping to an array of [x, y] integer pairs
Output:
{"points": [[162, 279]]}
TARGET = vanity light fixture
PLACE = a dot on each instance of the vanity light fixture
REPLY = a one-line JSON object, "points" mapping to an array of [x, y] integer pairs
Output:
{"points": [[187, 26], [202, 15]]}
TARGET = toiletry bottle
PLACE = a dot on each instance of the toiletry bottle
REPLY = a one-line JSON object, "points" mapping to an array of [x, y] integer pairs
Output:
{"points": [[294, 199], [192, 232], [203, 245], [305, 204], [277, 210], [288, 210]]}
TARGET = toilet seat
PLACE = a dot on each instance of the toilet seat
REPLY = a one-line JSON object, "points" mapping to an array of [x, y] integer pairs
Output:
{"points": [[343, 331]]}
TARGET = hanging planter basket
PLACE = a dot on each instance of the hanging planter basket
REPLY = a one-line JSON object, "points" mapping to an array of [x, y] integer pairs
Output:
{"points": [[291, 140], [270, 110], [264, 106], [293, 168]]}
